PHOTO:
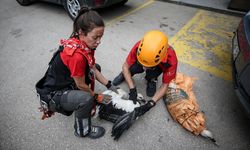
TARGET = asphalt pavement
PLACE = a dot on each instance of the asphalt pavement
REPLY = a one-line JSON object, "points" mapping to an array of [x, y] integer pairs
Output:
{"points": [[30, 35]]}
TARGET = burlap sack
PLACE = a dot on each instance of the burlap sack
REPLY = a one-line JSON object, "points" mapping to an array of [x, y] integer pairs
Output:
{"points": [[182, 104]]}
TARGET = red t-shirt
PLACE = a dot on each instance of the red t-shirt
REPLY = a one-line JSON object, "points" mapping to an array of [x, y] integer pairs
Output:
{"points": [[75, 61], [169, 73]]}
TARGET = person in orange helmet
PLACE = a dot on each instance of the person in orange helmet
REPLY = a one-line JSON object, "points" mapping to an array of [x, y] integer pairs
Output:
{"points": [[153, 55]]}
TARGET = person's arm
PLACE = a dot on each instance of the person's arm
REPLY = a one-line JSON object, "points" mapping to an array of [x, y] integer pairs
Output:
{"points": [[100, 77], [129, 80], [160, 92], [104, 81], [130, 60], [101, 98], [127, 75], [80, 83]]}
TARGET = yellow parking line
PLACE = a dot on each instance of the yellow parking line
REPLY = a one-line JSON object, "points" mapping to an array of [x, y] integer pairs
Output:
{"points": [[205, 42], [129, 12]]}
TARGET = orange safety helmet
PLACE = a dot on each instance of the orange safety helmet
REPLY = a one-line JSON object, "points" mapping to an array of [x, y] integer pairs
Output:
{"points": [[153, 48]]}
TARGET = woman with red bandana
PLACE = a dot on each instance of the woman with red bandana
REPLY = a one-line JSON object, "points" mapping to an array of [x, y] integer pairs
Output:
{"points": [[68, 84]]}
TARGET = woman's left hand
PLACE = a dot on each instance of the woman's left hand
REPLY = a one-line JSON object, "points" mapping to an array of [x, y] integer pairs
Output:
{"points": [[111, 87], [114, 88]]}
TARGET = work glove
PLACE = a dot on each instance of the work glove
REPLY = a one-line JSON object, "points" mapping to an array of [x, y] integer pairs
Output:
{"points": [[133, 95], [102, 98], [125, 122], [139, 111], [111, 87]]}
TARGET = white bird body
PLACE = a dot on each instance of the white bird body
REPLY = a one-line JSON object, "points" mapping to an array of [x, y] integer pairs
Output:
{"points": [[121, 101], [119, 105]]}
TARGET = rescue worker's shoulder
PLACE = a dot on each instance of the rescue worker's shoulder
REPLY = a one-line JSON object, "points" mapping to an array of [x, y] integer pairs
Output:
{"points": [[172, 58], [135, 47], [76, 58]]}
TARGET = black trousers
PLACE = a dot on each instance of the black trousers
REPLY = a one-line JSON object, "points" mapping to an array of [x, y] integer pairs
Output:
{"points": [[151, 73], [69, 101], [80, 102]]}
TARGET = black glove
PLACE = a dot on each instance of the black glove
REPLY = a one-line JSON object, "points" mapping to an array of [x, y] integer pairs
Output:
{"points": [[139, 111], [124, 122], [111, 87], [133, 95]]}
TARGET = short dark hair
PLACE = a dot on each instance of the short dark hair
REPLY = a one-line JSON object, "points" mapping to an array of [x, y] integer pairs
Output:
{"points": [[86, 20]]}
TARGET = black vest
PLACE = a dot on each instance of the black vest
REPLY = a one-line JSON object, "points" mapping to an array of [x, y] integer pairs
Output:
{"points": [[57, 77]]}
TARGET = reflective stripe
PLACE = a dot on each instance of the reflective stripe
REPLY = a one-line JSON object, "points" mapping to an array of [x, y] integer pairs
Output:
{"points": [[85, 124], [93, 129], [77, 126]]}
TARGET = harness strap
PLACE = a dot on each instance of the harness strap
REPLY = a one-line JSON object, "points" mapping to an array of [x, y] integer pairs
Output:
{"points": [[74, 45]]}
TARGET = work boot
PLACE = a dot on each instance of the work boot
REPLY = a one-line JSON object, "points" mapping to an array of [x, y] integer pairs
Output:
{"points": [[151, 87], [83, 128], [118, 79], [96, 132]]}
